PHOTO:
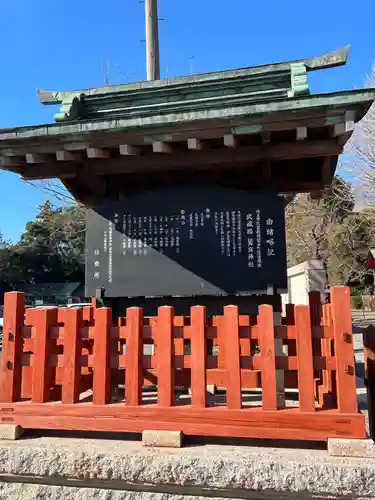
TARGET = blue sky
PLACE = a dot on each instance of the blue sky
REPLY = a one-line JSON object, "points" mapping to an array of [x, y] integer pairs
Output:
{"points": [[61, 45]]}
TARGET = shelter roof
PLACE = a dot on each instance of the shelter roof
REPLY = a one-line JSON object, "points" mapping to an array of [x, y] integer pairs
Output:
{"points": [[194, 93], [259, 125]]}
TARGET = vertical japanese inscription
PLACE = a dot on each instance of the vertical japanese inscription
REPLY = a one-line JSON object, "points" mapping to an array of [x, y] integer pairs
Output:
{"points": [[270, 237], [250, 240], [259, 240], [110, 251]]}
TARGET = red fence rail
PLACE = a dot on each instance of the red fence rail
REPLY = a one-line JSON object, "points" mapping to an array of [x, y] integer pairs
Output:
{"points": [[78, 369]]}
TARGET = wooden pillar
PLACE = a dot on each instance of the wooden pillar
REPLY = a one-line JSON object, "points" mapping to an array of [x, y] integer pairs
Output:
{"points": [[198, 357], [42, 370], [72, 350], [369, 351], [102, 370], [11, 367], [165, 368], [306, 387], [344, 352], [229, 324], [134, 356], [280, 375], [267, 351]]}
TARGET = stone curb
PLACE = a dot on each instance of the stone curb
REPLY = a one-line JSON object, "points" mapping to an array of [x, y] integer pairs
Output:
{"points": [[362, 448], [210, 467], [38, 492]]}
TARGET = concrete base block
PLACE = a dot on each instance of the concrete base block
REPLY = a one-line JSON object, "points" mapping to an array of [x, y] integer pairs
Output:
{"points": [[163, 439], [364, 448], [10, 432], [211, 389]]}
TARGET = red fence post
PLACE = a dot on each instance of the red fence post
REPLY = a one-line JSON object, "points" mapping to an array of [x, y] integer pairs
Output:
{"points": [[344, 353], [267, 351], [101, 368], [327, 398], [306, 387], [327, 314], [230, 332], [289, 314], [198, 357], [134, 356], [165, 368], [11, 363], [290, 321], [72, 350], [369, 348], [43, 319], [315, 303]]}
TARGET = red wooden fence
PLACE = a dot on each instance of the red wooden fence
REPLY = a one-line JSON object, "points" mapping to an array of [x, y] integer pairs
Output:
{"points": [[76, 369], [369, 355]]}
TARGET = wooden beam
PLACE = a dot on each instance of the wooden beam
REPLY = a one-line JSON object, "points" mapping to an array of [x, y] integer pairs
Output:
{"points": [[49, 171], [208, 158], [250, 423], [96, 184], [37, 177], [347, 126], [44, 149], [316, 195], [161, 147], [266, 170], [86, 189], [230, 141], [301, 133], [73, 187], [37, 158], [97, 153], [299, 186], [327, 171], [129, 150], [76, 146], [68, 156], [343, 128], [266, 137], [12, 161], [195, 144]]}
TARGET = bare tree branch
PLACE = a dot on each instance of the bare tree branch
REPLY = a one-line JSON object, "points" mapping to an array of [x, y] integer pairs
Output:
{"points": [[361, 148]]}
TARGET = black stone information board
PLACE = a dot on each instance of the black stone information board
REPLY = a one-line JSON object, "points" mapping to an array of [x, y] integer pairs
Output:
{"points": [[187, 241]]}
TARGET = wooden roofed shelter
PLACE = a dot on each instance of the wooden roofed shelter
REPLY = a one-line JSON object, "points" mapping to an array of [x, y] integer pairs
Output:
{"points": [[247, 128], [257, 132]]}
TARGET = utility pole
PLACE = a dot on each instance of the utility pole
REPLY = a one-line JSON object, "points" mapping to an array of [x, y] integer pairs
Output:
{"points": [[152, 40]]}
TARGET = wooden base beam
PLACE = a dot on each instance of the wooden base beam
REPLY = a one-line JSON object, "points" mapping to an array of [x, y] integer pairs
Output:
{"points": [[288, 424]]}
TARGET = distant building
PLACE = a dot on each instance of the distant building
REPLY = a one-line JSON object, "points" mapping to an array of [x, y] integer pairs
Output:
{"points": [[51, 293], [304, 278]]}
